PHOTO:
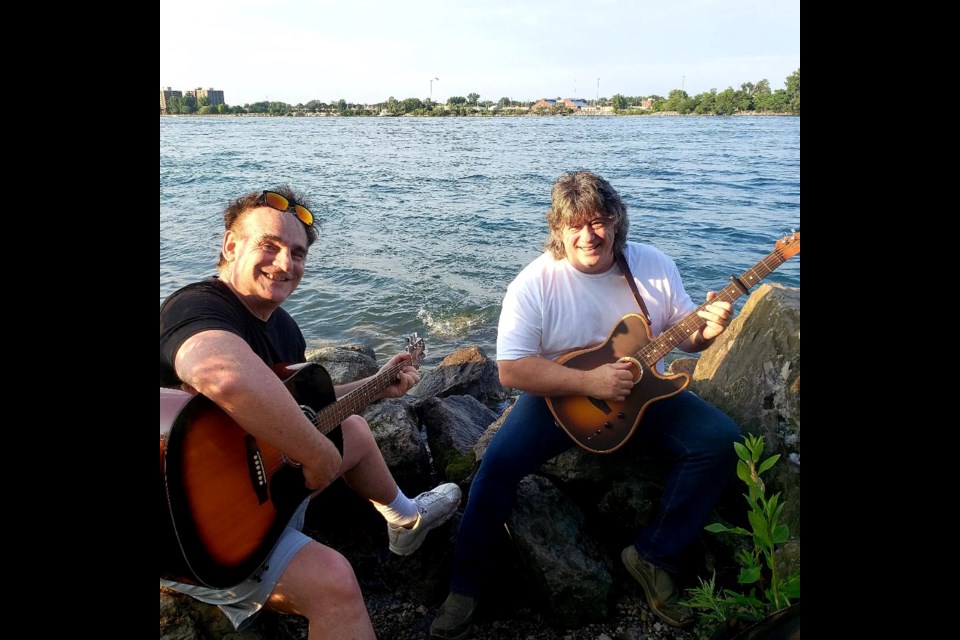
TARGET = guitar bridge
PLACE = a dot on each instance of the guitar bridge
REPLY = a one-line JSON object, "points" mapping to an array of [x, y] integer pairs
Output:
{"points": [[258, 475]]}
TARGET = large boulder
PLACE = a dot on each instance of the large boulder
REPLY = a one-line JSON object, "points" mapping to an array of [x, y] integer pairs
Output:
{"points": [[453, 425], [465, 372], [571, 572], [752, 372], [345, 363], [396, 428]]}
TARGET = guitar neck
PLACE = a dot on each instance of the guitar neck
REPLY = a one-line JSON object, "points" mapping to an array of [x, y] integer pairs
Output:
{"points": [[330, 417], [669, 339]]}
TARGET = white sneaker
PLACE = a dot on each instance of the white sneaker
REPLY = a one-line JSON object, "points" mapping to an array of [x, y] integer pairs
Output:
{"points": [[436, 507]]}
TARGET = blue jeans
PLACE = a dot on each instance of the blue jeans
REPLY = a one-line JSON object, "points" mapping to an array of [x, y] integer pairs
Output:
{"points": [[696, 434]]}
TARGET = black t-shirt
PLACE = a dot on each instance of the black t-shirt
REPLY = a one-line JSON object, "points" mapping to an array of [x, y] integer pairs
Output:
{"points": [[210, 304]]}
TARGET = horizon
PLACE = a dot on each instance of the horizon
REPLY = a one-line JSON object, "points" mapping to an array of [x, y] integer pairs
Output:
{"points": [[295, 51], [401, 99]]}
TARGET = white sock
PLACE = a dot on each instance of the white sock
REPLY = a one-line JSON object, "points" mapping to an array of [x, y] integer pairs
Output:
{"points": [[402, 511]]}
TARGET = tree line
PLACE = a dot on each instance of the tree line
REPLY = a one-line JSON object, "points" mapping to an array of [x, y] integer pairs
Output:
{"points": [[750, 97]]}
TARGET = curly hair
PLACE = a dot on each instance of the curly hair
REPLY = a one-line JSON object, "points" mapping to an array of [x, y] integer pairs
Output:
{"points": [[578, 197], [238, 207]]}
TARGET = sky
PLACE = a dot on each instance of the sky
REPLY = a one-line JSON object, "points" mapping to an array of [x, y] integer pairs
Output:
{"points": [[365, 51]]}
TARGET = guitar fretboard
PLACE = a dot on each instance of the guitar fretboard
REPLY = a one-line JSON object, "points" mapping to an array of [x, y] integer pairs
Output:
{"points": [[651, 353], [356, 401]]}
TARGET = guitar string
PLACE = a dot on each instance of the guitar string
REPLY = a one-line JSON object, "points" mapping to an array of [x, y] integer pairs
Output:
{"points": [[653, 351], [329, 417]]}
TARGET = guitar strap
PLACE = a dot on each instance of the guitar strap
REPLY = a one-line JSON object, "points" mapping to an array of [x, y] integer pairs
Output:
{"points": [[625, 268]]}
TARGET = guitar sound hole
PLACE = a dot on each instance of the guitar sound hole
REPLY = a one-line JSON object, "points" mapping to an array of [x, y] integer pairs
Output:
{"points": [[635, 368]]}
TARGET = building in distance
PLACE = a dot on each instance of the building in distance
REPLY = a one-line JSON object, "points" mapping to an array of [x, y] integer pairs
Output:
{"points": [[214, 97], [165, 95]]}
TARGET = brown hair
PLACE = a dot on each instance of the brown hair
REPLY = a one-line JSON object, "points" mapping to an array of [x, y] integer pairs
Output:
{"points": [[239, 206], [578, 197]]}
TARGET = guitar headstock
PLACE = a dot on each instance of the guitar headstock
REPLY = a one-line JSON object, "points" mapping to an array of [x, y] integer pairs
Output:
{"points": [[417, 348], [789, 245]]}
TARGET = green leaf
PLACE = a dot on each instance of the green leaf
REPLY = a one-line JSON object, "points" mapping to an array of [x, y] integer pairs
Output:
{"points": [[743, 472], [749, 575], [716, 527], [769, 462], [759, 526], [741, 450], [775, 516], [772, 504], [791, 586], [780, 534], [746, 559]]}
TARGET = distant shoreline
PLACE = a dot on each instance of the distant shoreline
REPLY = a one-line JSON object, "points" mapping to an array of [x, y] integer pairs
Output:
{"points": [[477, 115]]}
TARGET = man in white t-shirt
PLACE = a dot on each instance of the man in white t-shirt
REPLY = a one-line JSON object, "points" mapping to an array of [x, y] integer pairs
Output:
{"points": [[570, 298]]}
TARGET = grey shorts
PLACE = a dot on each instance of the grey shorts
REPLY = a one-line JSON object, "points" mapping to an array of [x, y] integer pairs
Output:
{"points": [[242, 602]]}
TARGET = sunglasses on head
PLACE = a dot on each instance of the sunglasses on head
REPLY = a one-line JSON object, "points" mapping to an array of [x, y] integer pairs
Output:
{"points": [[276, 201]]}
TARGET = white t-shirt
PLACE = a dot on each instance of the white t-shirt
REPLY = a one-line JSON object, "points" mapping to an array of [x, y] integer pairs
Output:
{"points": [[550, 308]]}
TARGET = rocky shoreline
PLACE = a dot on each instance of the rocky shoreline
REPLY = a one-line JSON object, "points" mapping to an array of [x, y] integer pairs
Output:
{"points": [[403, 594], [559, 573]]}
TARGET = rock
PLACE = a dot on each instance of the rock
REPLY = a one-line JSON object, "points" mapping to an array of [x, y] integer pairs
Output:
{"points": [[345, 363], [465, 372], [571, 571], [752, 371], [682, 365], [453, 425], [396, 428]]}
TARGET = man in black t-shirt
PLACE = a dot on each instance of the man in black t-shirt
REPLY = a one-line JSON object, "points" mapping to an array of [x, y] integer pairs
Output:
{"points": [[221, 338]]}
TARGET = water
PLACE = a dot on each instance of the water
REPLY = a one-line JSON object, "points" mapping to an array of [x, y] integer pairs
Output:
{"points": [[426, 220]]}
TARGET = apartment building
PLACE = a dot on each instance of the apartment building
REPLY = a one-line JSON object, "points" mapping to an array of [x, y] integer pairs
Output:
{"points": [[165, 95], [214, 96]]}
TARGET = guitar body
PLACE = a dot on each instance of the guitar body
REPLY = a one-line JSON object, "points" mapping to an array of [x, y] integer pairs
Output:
{"points": [[603, 426], [225, 497]]}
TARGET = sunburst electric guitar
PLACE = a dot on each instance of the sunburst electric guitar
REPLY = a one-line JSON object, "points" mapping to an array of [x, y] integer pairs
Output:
{"points": [[225, 497], [603, 426]]}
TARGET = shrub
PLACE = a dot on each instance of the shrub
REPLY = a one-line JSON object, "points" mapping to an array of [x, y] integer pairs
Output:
{"points": [[770, 592]]}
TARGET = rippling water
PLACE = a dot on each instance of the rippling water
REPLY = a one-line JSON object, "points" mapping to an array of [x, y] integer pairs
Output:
{"points": [[426, 220]]}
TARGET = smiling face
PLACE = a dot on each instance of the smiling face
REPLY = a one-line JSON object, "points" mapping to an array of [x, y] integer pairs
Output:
{"points": [[588, 222], [588, 245], [264, 257]]}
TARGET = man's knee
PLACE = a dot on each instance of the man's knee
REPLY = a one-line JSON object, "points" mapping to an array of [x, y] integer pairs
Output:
{"points": [[357, 431], [332, 577]]}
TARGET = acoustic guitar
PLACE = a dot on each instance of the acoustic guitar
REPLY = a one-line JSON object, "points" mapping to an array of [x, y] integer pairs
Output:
{"points": [[603, 426], [225, 497]]}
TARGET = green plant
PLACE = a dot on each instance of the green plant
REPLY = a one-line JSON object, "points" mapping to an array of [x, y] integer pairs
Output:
{"points": [[776, 591]]}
